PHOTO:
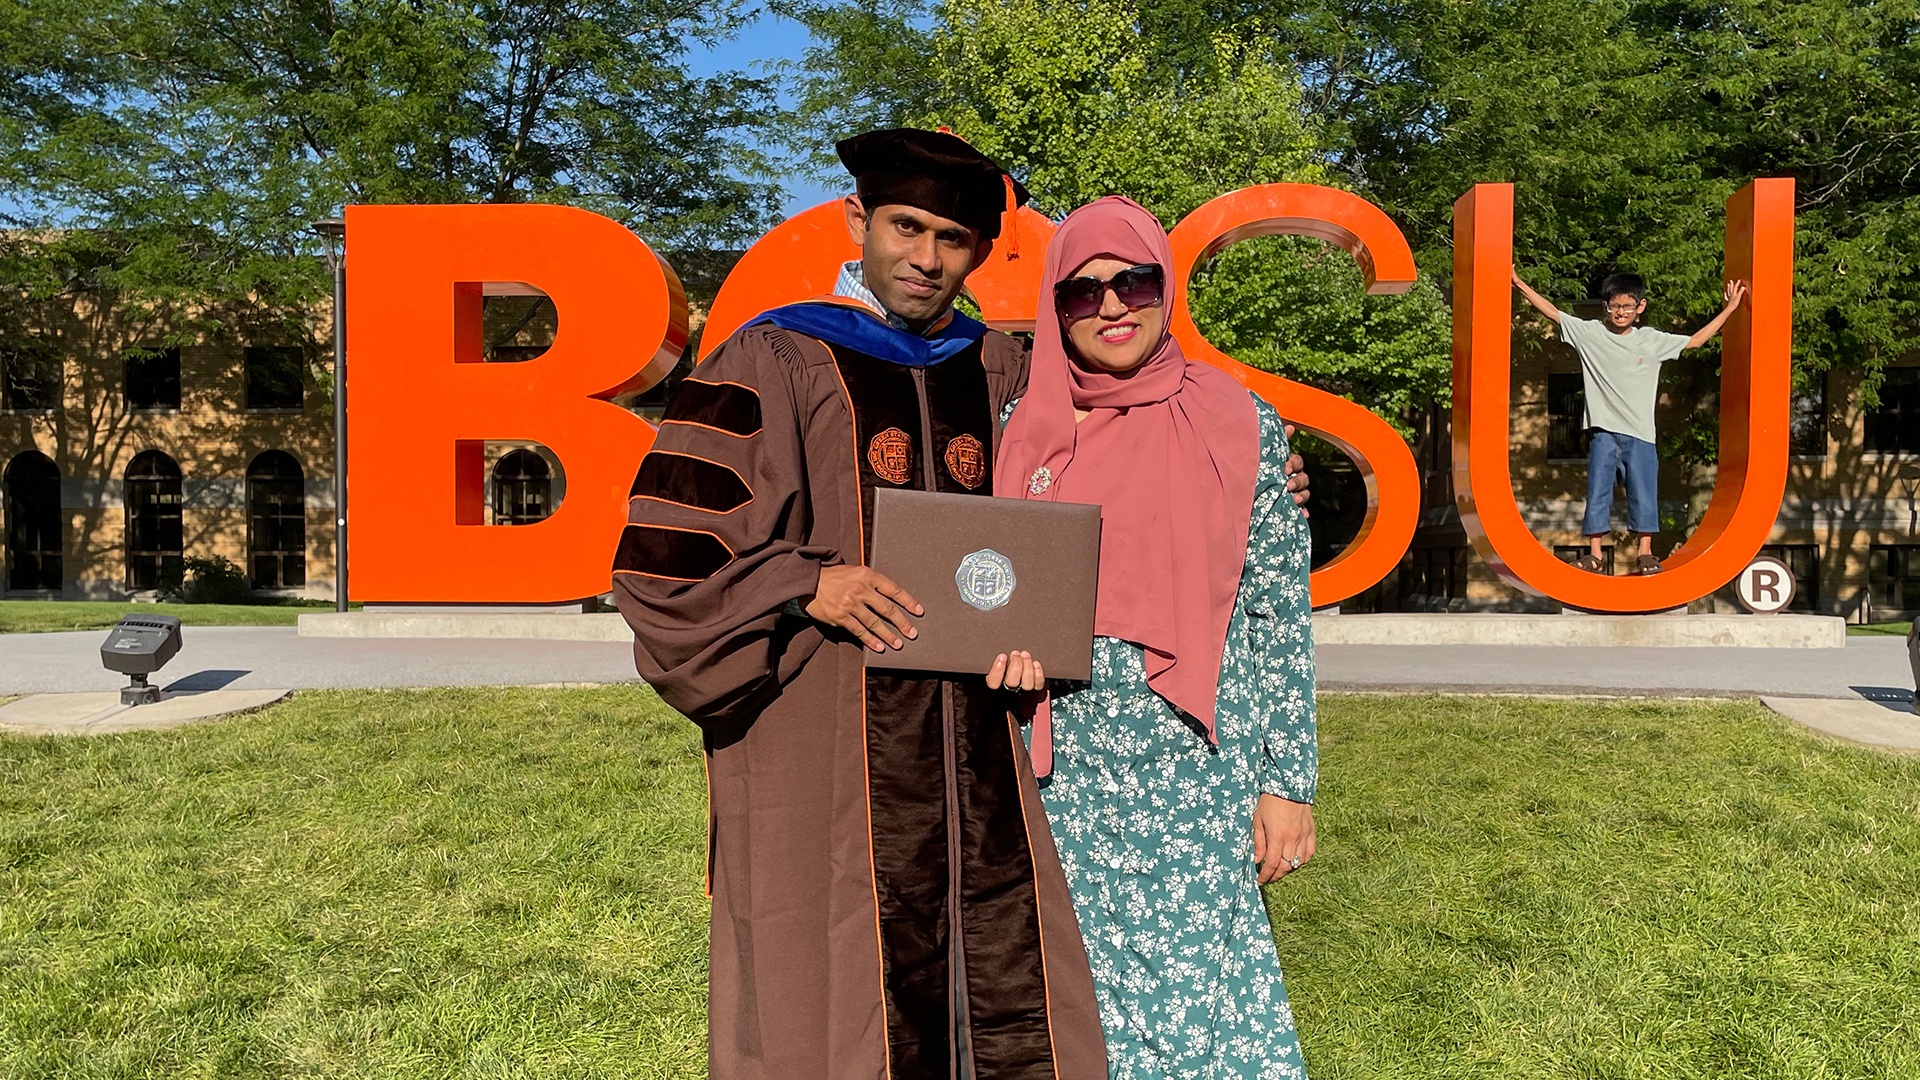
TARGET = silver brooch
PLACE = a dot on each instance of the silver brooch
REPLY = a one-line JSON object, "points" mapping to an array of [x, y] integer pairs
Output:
{"points": [[1041, 480], [986, 579]]}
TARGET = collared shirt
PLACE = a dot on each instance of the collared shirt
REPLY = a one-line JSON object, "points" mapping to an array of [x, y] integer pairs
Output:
{"points": [[1621, 373], [853, 286]]}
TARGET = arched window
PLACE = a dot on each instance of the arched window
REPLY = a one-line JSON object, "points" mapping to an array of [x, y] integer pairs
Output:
{"points": [[33, 522], [156, 540], [276, 521], [522, 489]]}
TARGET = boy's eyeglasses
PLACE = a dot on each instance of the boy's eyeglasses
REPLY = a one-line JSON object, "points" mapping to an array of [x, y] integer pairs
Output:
{"points": [[1136, 286], [1624, 309]]}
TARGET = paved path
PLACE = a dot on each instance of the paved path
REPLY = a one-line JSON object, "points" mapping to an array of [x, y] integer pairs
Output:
{"points": [[101, 712], [1872, 722], [1866, 662], [247, 657], [276, 658]]}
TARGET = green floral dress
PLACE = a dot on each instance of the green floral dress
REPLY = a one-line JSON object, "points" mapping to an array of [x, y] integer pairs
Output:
{"points": [[1155, 830]]}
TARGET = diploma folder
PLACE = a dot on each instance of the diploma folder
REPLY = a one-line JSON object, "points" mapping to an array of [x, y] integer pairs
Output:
{"points": [[994, 575]]}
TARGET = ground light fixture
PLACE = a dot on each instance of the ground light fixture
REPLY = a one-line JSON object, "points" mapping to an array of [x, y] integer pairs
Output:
{"points": [[138, 646]]}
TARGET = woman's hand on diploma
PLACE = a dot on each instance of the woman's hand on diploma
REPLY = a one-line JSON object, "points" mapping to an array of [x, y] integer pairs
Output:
{"points": [[1016, 671]]}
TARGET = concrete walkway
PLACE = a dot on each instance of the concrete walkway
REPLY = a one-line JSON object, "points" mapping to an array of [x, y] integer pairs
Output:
{"points": [[247, 657], [1865, 663], [1888, 723], [101, 712], [213, 658]]}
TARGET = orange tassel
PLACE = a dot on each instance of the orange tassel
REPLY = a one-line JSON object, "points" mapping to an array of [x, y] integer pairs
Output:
{"points": [[1012, 222]]}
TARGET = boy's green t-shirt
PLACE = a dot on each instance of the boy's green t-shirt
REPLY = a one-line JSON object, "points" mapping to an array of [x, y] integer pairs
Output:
{"points": [[1621, 372]]}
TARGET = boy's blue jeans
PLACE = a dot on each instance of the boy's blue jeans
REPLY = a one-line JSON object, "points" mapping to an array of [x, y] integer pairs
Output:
{"points": [[1609, 454]]}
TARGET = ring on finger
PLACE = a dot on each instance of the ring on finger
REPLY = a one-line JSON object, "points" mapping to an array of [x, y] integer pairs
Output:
{"points": [[1293, 862]]}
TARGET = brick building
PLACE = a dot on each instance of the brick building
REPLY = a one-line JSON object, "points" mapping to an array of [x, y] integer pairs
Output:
{"points": [[121, 455]]}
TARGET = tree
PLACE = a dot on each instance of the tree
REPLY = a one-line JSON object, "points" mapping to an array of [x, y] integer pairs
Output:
{"points": [[1079, 107], [1086, 99], [171, 153], [1625, 125]]}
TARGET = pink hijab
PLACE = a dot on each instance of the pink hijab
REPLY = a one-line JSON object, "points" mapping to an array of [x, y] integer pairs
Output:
{"points": [[1169, 451]]}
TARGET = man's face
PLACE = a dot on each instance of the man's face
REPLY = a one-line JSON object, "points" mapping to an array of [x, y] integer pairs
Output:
{"points": [[914, 261], [1622, 310]]}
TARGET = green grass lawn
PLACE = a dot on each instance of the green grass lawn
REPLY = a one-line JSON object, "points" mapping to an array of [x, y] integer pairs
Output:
{"points": [[1896, 629], [45, 616], [506, 883]]}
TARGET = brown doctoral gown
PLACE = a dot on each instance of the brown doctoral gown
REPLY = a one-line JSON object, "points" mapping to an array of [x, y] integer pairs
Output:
{"points": [[860, 823]]}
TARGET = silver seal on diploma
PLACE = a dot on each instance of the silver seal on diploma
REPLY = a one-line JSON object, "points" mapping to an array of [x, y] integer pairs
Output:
{"points": [[986, 579]]}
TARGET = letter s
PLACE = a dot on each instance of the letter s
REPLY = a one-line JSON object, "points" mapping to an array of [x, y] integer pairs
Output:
{"points": [[1385, 463]]}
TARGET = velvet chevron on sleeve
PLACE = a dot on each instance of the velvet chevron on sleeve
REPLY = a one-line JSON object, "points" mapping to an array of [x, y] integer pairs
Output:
{"points": [[716, 541]]}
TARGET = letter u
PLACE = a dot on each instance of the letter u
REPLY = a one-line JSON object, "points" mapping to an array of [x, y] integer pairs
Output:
{"points": [[1755, 385]]}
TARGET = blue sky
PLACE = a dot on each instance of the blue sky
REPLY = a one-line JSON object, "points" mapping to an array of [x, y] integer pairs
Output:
{"points": [[769, 40]]}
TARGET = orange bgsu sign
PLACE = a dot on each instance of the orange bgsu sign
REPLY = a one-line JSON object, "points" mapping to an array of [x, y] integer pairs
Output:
{"points": [[423, 405]]}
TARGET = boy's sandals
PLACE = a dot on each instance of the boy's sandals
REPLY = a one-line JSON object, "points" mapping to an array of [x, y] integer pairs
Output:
{"points": [[1588, 563], [1647, 564]]}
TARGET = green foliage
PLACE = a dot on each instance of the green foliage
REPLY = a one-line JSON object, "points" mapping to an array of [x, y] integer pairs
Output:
{"points": [[188, 143], [211, 580], [1295, 306], [1098, 97], [1077, 108], [1626, 124], [868, 69], [1694, 441]]}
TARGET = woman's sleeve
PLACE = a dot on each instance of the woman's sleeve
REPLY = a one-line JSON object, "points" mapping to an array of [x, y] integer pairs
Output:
{"points": [[1280, 626], [714, 559]]}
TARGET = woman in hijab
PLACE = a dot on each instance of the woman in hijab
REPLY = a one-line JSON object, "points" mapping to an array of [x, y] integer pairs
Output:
{"points": [[1181, 778]]}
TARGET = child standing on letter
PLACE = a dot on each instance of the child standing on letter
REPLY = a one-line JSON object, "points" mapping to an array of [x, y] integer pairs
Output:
{"points": [[1620, 368]]}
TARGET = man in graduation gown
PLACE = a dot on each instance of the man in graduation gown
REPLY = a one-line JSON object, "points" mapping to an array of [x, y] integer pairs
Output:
{"points": [[886, 897], [887, 902]]}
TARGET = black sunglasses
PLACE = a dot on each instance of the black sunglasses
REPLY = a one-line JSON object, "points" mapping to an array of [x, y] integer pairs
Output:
{"points": [[1136, 286]]}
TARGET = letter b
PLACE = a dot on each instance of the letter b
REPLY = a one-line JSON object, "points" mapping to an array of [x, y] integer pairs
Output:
{"points": [[421, 403]]}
